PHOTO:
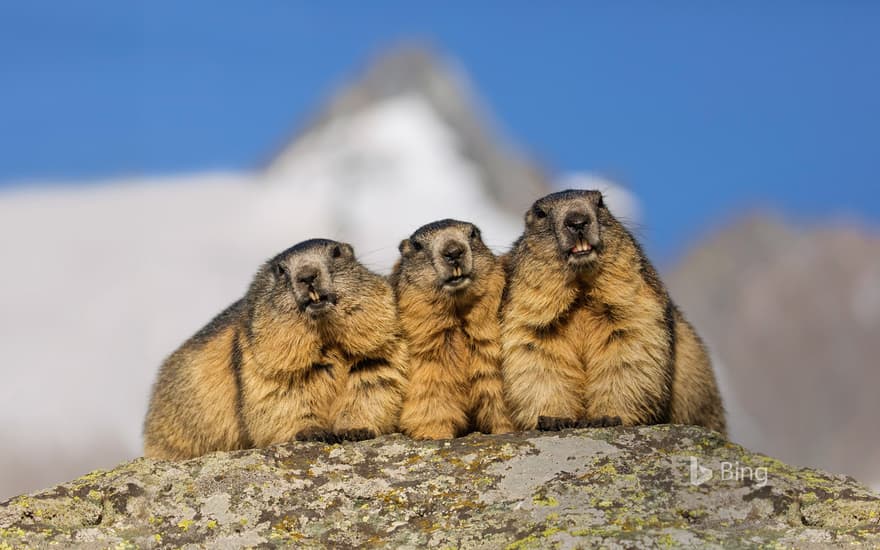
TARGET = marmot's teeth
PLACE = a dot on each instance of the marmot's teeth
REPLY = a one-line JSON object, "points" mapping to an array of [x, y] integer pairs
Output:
{"points": [[581, 246], [314, 296]]}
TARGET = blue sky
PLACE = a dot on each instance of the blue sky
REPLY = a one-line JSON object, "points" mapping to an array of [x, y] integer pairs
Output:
{"points": [[704, 108]]}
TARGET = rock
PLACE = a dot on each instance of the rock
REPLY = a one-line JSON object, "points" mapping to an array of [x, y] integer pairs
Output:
{"points": [[617, 487]]}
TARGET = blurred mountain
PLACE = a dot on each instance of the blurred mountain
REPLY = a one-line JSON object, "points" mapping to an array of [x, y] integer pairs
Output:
{"points": [[102, 281], [793, 315], [403, 144], [413, 87]]}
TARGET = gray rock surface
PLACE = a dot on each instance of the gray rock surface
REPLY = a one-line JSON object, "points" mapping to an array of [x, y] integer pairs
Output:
{"points": [[618, 487]]}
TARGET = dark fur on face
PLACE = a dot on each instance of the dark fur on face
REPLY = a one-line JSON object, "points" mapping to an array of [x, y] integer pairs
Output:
{"points": [[307, 278], [446, 255], [576, 222]]}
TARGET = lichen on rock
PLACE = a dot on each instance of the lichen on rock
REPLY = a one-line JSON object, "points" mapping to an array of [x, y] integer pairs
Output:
{"points": [[577, 488]]}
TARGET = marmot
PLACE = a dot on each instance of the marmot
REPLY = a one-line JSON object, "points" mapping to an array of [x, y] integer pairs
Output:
{"points": [[589, 333], [448, 286], [312, 352]]}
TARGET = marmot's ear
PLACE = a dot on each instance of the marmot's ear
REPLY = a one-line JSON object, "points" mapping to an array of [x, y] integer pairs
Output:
{"points": [[279, 270], [534, 214], [348, 250], [405, 248]]}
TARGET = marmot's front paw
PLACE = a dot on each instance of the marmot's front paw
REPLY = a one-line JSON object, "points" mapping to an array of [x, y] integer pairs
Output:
{"points": [[502, 428], [556, 423], [316, 434], [601, 422], [435, 433], [357, 434]]}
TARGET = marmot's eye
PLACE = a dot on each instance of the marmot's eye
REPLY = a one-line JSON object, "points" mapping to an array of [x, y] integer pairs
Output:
{"points": [[539, 213], [337, 252], [280, 270], [475, 233], [417, 245], [601, 203]]}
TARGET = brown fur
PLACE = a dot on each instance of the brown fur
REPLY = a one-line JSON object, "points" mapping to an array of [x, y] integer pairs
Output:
{"points": [[591, 337], [452, 332], [294, 359]]}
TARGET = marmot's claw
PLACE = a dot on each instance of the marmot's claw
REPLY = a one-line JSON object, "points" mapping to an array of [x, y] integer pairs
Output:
{"points": [[316, 434], [555, 423], [357, 434], [601, 422]]}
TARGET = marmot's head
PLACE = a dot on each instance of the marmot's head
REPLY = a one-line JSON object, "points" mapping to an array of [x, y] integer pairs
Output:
{"points": [[446, 255], [575, 223], [316, 278]]}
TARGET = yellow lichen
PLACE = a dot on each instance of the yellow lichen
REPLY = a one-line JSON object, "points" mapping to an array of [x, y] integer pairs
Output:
{"points": [[466, 503], [484, 481], [596, 532], [91, 476], [412, 459], [533, 540], [185, 524], [545, 501], [391, 497], [23, 501], [17, 532], [525, 542]]}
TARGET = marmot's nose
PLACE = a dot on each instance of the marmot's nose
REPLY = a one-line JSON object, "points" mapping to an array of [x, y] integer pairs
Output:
{"points": [[307, 275], [452, 252], [576, 221]]}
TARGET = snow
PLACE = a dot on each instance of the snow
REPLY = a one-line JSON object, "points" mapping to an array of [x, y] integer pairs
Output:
{"points": [[101, 282]]}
